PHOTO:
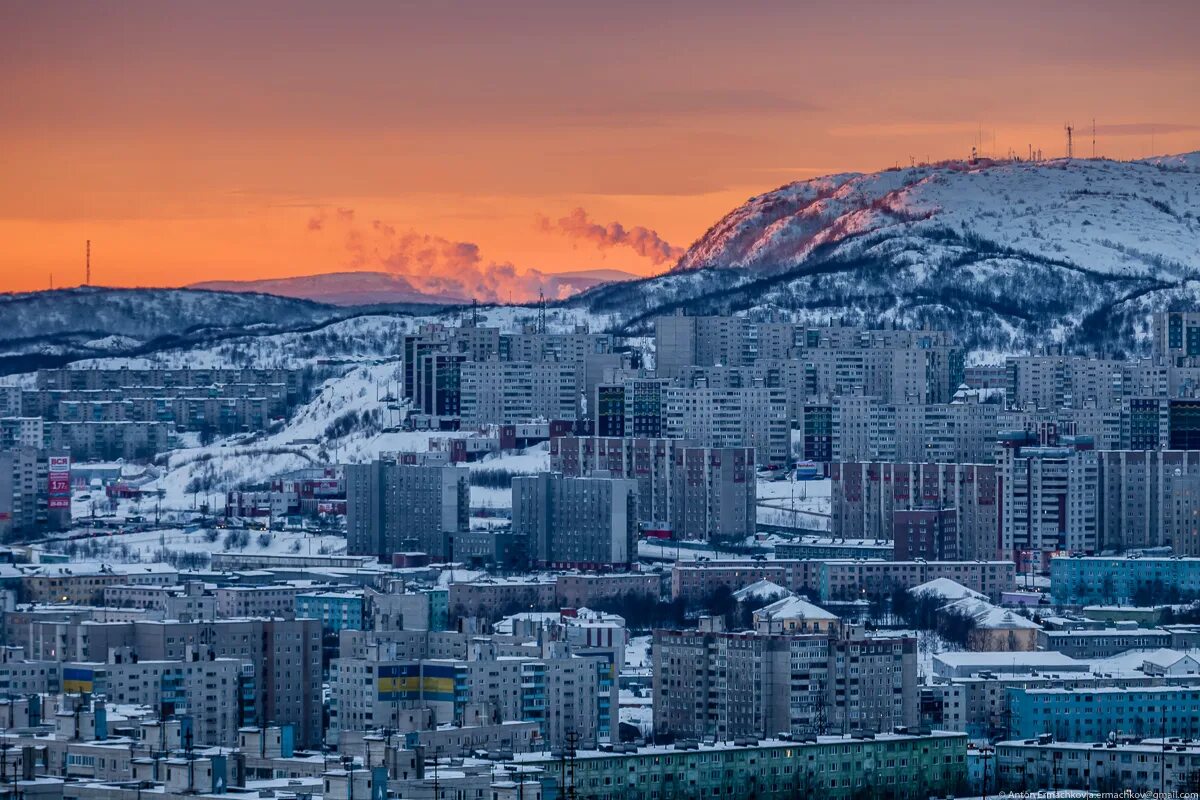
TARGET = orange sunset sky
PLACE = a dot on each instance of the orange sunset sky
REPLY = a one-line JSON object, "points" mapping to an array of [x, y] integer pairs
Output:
{"points": [[200, 141]]}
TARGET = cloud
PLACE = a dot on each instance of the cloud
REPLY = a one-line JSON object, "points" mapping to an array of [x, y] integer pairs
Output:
{"points": [[433, 264], [643, 241]]}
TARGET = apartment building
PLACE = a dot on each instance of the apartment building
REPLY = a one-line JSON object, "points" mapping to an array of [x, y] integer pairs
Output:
{"points": [[1057, 381], [509, 392], [1092, 715], [21, 432], [10, 401], [35, 491], [336, 611], [272, 600], [84, 583], [721, 684], [1048, 497], [862, 428], [108, 441], [393, 508], [559, 693], [751, 417], [1106, 642], [585, 523], [866, 498], [851, 580], [1160, 423], [1149, 498], [714, 494], [867, 428], [836, 767], [188, 602], [1176, 336], [491, 598], [681, 342], [633, 407], [580, 590], [837, 579], [1116, 579], [211, 691], [1101, 767], [286, 655], [649, 461]]}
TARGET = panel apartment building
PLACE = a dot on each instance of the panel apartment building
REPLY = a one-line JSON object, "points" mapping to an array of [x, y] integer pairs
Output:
{"points": [[1048, 497], [29, 504], [716, 487], [392, 508], [715, 492], [868, 428], [649, 461], [754, 417], [510, 392], [580, 523], [286, 655], [714, 683], [868, 499]]}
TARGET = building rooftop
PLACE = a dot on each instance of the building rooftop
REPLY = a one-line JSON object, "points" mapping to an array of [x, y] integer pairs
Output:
{"points": [[946, 588], [745, 744]]}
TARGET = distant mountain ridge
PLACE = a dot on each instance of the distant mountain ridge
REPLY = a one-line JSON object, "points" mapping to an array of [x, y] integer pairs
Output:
{"points": [[1012, 255], [370, 288], [46, 328]]}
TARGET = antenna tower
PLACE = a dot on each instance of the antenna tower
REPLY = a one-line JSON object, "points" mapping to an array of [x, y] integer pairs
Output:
{"points": [[1093, 137], [541, 319], [1070, 129], [87, 281]]}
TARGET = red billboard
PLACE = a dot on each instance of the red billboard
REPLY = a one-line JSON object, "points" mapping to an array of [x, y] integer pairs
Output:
{"points": [[59, 482]]}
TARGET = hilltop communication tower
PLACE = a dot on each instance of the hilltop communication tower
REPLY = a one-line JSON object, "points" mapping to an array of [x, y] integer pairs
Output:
{"points": [[1070, 140], [87, 280]]}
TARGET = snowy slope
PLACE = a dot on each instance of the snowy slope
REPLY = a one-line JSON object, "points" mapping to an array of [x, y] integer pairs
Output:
{"points": [[1136, 214], [192, 476], [1008, 254]]}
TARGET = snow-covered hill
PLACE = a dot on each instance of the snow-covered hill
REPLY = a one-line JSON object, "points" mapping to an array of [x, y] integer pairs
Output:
{"points": [[143, 313], [338, 288], [1009, 254], [45, 329], [373, 288]]}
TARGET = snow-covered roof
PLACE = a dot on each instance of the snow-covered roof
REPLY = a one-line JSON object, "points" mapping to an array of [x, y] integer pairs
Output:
{"points": [[795, 608], [1167, 658], [947, 589], [990, 617], [760, 589], [1045, 659]]}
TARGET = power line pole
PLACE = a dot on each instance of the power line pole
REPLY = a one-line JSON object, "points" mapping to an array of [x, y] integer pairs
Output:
{"points": [[572, 746]]}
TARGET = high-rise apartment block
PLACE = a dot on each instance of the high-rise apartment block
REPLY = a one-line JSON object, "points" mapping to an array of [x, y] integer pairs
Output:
{"points": [[508, 392], [754, 417], [723, 684], [588, 523], [1048, 497], [869, 500], [392, 508], [35, 491], [714, 494], [649, 461]]}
